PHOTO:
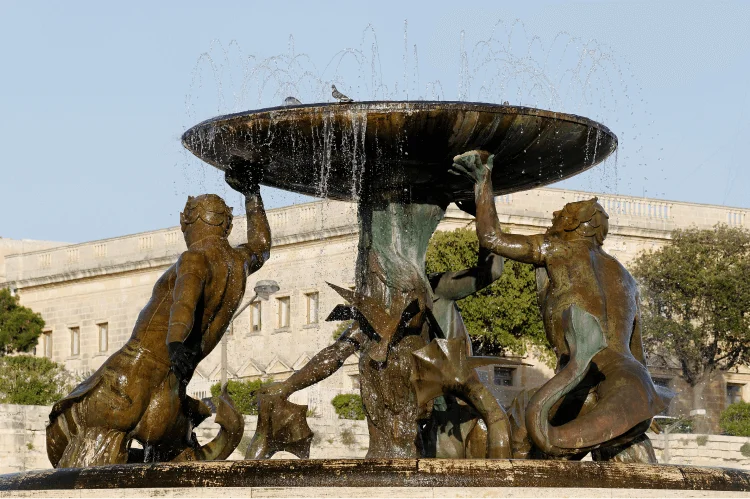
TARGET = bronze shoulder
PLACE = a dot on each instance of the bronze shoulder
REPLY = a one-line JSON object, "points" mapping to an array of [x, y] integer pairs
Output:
{"points": [[192, 262]]}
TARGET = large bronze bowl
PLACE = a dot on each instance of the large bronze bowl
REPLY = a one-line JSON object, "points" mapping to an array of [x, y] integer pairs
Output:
{"points": [[337, 150]]}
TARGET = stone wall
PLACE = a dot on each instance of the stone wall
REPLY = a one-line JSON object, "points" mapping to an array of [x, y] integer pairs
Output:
{"points": [[702, 450], [23, 438], [23, 447]]}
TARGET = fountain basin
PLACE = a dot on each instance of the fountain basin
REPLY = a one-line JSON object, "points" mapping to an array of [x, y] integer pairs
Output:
{"points": [[333, 150], [347, 477]]}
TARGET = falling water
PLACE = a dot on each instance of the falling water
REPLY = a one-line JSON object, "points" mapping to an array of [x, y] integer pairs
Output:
{"points": [[567, 74]]}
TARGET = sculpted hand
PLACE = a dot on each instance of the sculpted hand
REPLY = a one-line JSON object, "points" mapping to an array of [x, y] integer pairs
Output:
{"points": [[468, 205], [181, 360], [243, 179], [470, 165]]}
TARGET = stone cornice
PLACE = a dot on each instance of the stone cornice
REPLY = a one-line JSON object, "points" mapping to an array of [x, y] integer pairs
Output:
{"points": [[133, 266], [166, 261]]}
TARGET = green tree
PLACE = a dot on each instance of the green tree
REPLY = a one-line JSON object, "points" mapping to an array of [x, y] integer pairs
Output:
{"points": [[31, 380], [503, 317], [349, 406], [735, 420], [243, 394], [695, 294], [20, 327]]}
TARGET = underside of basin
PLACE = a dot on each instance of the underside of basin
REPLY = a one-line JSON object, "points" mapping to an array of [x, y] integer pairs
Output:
{"points": [[341, 151]]}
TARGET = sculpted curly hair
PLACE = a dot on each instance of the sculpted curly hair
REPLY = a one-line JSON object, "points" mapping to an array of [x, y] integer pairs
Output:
{"points": [[208, 207], [588, 218]]}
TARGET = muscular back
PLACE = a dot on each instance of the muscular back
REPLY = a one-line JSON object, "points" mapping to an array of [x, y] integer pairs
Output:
{"points": [[223, 292], [580, 273], [221, 273]]}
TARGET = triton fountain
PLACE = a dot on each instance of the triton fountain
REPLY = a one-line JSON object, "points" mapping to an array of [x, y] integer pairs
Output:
{"points": [[393, 159], [396, 160]]}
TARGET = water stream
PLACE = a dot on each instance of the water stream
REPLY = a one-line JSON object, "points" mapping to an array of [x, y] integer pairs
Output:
{"points": [[560, 73]]}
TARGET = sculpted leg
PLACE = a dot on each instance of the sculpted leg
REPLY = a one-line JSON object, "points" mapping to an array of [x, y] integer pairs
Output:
{"points": [[94, 446], [495, 418], [325, 363], [75, 445], [443, 367], [639, 450], [584, 335], [280, 423]]}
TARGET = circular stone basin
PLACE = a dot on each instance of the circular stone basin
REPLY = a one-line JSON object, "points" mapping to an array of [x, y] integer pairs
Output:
{"points": [[337, 150], [325, 476]]}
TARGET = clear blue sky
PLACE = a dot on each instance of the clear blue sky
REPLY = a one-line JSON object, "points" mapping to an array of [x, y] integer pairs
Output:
{"points": [[95, 95]]}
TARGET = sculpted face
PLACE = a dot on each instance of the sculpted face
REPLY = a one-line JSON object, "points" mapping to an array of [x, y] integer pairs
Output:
{"points": [[560, 221], [204, 215]]}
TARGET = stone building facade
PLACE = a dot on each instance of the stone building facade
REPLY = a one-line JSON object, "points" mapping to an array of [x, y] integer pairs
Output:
{"points": [[20, 246], [90, 294]]}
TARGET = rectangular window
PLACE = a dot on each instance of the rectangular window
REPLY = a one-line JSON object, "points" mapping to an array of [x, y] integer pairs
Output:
{"points": [[282, 314], [312, 308], [47, 344], [734, 393], [75, 341], [503, 376], [255, 323], [103, 336]]}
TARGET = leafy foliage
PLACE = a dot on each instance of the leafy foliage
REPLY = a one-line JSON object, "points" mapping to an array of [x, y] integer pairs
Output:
{"points": [[735, 420], [503, 317], [243, 394], [695, 301], [20, 327], [29, 380], [349, 406]]}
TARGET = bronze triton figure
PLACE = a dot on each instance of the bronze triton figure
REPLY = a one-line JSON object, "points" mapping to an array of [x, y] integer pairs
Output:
{"points": [[602, 398], [139, 392], [457, 429]]}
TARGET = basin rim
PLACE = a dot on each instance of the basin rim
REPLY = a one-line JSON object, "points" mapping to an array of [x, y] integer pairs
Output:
{"points": [[383, 473]]}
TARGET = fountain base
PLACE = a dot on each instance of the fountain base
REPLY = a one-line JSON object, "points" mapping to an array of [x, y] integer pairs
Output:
{"points": [[378, 477]]}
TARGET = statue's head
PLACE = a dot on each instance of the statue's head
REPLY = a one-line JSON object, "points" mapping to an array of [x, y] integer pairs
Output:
{"points": [[583, 219], [207, 214]]}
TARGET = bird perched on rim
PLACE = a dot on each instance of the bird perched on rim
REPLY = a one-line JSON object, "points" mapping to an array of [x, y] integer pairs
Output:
{"points": [[339, 96], [291, 101], [506, 103]]}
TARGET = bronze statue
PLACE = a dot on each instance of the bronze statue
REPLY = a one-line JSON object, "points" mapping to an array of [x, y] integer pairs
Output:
{"points": [[445, 371], [393, 318], [602, 398], [139, 392]]}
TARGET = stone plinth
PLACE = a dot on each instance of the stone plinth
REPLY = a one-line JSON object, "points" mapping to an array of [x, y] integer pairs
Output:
{"points": [[404, 477]]}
